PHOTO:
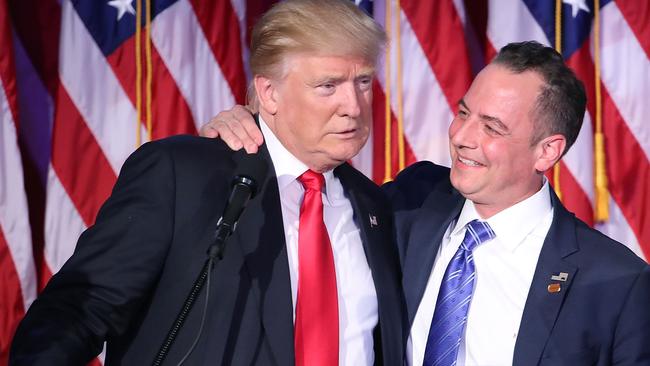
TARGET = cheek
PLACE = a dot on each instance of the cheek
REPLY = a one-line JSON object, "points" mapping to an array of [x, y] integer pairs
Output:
{"points": [[308, 133], [453, 128], [510, 161], [494, 151], [365, 99]]}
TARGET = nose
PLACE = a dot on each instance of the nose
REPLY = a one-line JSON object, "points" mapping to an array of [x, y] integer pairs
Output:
{"points": [[462, 132], [350, 98]]}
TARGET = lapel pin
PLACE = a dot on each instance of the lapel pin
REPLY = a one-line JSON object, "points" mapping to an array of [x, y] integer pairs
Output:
{"points": [[562, 276], [554, 287], [373, 220]]}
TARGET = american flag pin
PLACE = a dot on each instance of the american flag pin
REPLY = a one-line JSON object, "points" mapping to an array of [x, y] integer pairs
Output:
{"points": [[373, 220], [562, 276]]}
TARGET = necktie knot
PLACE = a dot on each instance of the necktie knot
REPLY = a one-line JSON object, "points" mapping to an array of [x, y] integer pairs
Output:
{"points": [[477, 232], [311, 180]]}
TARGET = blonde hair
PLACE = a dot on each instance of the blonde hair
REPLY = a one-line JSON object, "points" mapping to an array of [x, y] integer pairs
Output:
{"points": [[320, 27]]}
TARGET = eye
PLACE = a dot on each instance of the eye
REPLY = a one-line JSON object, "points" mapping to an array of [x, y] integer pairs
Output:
{"points": [[492, 131], [462, 113], [327, 88], [365, 83]]}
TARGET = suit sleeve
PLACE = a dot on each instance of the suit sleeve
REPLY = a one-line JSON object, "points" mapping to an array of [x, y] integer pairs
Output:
{"points": [[116, 263], [632, 336]]}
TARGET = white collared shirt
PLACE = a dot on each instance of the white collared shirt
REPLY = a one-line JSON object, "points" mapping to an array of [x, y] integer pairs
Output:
{"points": [[357, 298], [504, 272]]}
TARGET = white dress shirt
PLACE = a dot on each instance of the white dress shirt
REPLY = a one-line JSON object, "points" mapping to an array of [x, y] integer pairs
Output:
{"points": [[357, 298], [504, 271]]}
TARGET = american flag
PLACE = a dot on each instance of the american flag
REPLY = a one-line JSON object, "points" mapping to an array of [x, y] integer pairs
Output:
{"points": [[84, 83]]}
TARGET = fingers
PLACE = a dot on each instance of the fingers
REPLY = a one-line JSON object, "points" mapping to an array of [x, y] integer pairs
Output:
{"points": [[236, 128], [218, 128], [247, 121], [239, 133], [208, 130]]}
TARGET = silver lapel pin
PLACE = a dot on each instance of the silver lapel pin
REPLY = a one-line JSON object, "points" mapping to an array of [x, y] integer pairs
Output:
{"points": [[562, 276], [373, 220]]}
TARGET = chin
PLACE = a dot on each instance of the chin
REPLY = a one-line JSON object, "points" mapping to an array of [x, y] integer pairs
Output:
{"points": [[461, 185], [453, 177], [338, 160], [345, 153]]}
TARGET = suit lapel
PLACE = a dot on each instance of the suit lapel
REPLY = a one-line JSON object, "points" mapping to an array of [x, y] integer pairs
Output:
{"points": [[372, 220], [544, 300], [262, 241], [375, 224], [426, 232]]}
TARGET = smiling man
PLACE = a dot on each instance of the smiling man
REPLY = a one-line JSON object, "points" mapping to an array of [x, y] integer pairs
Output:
{"points": [[495, 270], [311, 276], [515, 278]]}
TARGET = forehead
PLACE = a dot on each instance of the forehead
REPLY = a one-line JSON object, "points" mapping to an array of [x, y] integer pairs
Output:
{"points": [[500, 93], [317, 64]]}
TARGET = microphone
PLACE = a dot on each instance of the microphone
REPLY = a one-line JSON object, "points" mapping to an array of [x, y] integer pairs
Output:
{"points": [[250, 174]]}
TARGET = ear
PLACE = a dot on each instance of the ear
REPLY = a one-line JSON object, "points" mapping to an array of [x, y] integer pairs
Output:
{"points": [[265, 91], [550, 151]]}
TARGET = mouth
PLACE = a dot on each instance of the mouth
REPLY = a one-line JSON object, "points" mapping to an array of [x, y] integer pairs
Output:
{"points": [[469, 162], [350, 133]]}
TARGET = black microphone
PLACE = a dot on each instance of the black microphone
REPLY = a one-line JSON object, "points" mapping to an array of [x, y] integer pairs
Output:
{"points": [[250, 174]]}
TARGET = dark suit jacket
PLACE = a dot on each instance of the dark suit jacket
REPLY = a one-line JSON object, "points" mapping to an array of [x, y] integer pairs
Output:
{"points": [[601, 315], [133, 269]]}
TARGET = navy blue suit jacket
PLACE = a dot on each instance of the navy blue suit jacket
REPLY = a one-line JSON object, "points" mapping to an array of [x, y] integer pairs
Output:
{"points": [[132, 270], [601, 316]]}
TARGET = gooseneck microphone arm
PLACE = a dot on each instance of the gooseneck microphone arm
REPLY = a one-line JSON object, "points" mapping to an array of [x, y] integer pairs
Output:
{"points": [[251, 171]]}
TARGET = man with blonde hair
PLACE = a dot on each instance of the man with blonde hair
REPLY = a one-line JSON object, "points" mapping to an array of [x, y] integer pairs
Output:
{"points": [[310, 276]]}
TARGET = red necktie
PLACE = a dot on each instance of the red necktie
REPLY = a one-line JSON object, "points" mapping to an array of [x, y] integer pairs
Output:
{"points": [[317, 315]]}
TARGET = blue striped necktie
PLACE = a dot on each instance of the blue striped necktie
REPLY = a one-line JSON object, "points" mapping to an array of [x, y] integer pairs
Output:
{"points": [[450, 315]]}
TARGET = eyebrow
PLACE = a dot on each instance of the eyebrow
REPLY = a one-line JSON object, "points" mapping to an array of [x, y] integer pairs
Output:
{"points": [[338, 78], [486, 117], [365, 74], [335, 79], [366, 71]]}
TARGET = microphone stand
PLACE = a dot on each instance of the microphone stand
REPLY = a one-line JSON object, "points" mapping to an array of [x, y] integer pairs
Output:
{"points": [[215, 251], [243, 190]]}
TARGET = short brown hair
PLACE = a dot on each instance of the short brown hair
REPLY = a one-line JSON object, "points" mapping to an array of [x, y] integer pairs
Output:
{"points": [[325, 27], [560, 105]]}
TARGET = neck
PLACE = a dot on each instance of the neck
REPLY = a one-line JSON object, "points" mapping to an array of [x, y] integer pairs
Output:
{"points": [[487, 210]]}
